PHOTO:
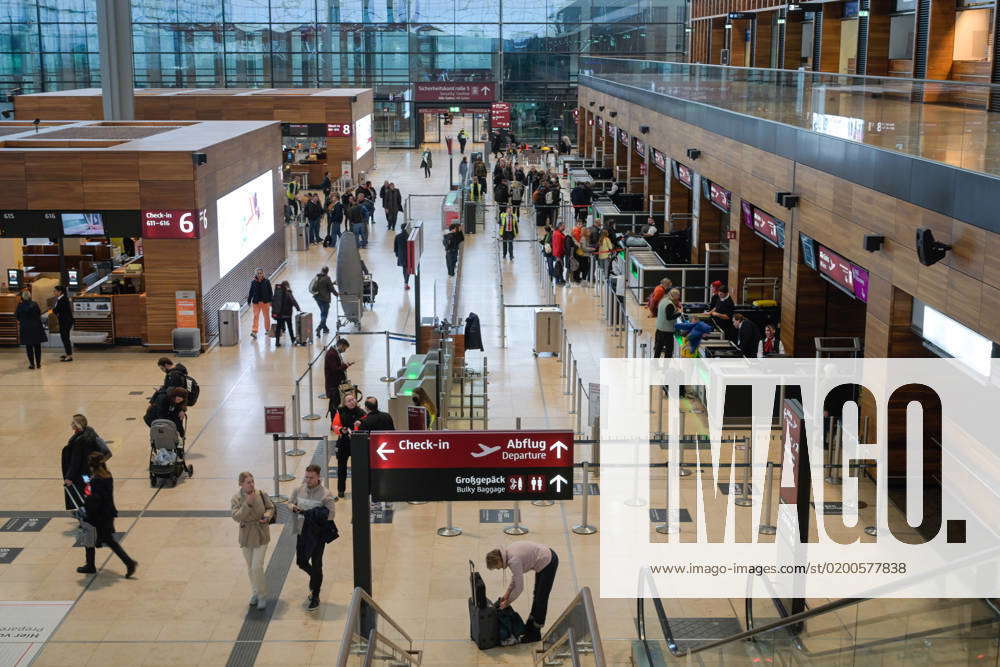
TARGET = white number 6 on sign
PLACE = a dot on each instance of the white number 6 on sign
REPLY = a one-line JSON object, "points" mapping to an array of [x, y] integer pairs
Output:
{"points": [[186, 224]]}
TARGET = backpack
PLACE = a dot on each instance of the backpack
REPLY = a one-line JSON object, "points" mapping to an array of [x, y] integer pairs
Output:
{"points": [[511, 625], [193, 389], [313, 288]]}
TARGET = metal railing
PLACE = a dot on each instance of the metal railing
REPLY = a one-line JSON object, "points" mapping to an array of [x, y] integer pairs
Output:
{"points": [[577, 631], [363, 614]]}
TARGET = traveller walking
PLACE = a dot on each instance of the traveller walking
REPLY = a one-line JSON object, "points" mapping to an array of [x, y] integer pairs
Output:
{"points": [[313, 213], [667, 311], [29, 321], [480, 171], [282, 305], [392, 202], [334, 221], [75, 455], [399, 248], [501, 195], [517, 195], [344, 418], [335, 372], [172, 405], [322, 289], [261, 295], [452, 242], [520, 557], [357, 215], [63, 311], [254, 511], [462, 139], [100, 512], [508, 231], [314, 507], [463, 171], [426, 162]]}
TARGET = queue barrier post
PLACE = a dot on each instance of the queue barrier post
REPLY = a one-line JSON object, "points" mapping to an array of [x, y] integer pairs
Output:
{"points": [[448, 530], [669, 525], [744, 499], [296, 450], [285, 476], [579, 407], [575, 379], [312, 416], [569, 357], [517, 528], [584, 527], [768, 527], [872, 529], [277, 496], [836, 449], [388, 370]]}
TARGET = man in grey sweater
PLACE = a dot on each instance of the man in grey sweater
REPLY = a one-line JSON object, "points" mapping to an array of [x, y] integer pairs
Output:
{"points": [[313, 507]]}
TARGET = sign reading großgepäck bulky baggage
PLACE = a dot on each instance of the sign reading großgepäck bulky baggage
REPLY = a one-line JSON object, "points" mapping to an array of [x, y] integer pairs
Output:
{"points": [[471, 465]]}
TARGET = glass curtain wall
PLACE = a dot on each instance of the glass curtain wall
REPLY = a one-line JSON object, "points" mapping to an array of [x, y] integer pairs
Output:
{"points": [[530, 47]]}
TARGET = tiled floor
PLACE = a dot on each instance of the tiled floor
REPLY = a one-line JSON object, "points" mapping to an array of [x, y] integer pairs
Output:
{"points": [[188, 604]]}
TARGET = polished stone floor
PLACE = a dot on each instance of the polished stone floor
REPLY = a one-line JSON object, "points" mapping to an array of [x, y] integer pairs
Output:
{"points": [[187, 605]]}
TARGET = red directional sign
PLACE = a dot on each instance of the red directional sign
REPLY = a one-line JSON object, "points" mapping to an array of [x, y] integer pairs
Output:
{"points": [[500, 114], [471, 465]]}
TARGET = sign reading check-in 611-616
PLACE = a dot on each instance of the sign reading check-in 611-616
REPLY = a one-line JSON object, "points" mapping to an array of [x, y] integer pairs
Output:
{"points": [[471, 465]]}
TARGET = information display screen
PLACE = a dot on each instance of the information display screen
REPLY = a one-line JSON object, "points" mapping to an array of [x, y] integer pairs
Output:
{"points": [[660, 160], [82, 224], [246, 219], [719, 196], [362, 136], [683, 174], [769, 228], [844, 274], [808, 251]]}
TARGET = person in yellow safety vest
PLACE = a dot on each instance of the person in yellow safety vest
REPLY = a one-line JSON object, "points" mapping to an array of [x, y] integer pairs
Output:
{"points": [[477, 190], [508, 231]]}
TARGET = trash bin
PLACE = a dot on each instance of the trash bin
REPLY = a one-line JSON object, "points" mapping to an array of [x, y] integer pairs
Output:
{"points": [[229, 324], [301, 236]]}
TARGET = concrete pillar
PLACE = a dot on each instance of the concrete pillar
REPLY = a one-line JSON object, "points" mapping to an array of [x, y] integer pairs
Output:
{"points": [[114, 31]]}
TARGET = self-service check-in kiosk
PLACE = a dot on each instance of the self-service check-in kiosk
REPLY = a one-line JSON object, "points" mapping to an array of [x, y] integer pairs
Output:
{"points": [[421, 370]]}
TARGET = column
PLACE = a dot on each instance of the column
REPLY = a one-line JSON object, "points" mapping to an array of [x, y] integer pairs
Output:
{"points": [[114, 31]]}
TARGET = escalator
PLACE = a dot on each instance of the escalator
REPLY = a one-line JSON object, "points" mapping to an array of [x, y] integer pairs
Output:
{"points": [[841, 633]]}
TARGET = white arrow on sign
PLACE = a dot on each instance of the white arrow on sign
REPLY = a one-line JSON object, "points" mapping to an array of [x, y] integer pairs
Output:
{"points": [[486, 90], [382, 451], [558, 480], [559, 448]]}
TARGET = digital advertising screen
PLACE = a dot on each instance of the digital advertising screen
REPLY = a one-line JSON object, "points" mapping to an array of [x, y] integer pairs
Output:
{"points": [[82, 224], [245, 220], [362, 136]]}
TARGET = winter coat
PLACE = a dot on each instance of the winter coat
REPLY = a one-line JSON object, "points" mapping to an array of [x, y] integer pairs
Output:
{"points": [[64, 312], [345, 417], [313, 210], [324, 288], [399, 247], [29, 319], [283, 303], [392, 202], [78, 449], [168, 409], [473, 333], [463, 169], [260, 291], [377, 421], [248, 511], [101, 510]]}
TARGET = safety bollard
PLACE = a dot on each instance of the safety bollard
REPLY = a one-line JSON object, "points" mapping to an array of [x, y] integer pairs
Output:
{"points": [[744, 499], [312, 416], [277, 495], [285, 476], [517, 528], [584, 527], [768, 528], [448, 530]]}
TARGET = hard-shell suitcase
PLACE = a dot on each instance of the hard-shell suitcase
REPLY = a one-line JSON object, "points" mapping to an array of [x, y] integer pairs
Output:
{"points": [[88, 532], [303, 327], [484, 626]]}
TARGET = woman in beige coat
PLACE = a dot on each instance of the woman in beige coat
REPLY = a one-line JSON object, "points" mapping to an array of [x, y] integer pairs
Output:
{"points": [[253, 510]]}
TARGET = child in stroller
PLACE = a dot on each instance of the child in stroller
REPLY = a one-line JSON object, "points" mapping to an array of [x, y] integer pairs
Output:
{"points": [[166, 456]]}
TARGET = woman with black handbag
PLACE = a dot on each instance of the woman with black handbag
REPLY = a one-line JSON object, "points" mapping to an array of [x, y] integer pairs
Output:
{"points": [[100, 510], [255, 513]]}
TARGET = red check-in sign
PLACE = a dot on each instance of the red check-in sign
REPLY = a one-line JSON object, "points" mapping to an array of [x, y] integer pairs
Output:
{"points": [[471, 449]]}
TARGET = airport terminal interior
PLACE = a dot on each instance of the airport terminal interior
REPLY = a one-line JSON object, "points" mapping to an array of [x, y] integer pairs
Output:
{"points": [[305, 306]]}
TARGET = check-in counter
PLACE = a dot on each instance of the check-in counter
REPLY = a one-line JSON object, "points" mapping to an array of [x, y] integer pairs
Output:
{"points": [[579, 177]]}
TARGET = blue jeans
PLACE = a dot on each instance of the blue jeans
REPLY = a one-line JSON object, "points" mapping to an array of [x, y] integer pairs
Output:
{"points": [[324, 309], [361, 232], [451, 258], [314, 231]]}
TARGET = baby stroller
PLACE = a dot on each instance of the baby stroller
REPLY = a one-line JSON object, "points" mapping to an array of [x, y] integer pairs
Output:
{"points": [[166, 456]]}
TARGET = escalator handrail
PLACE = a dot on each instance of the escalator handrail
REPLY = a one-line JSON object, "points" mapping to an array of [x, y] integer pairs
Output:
{"points": [[780, 623]]}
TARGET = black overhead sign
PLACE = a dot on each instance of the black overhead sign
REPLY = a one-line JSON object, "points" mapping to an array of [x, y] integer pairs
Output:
{"points": [[471, 465]]}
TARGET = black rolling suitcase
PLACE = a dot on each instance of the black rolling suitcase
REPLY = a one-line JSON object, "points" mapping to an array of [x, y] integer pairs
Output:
{"points": [[484, 626]]}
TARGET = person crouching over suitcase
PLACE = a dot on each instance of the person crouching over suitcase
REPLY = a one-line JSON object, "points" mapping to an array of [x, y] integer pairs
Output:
{"points": [[519, 558]]}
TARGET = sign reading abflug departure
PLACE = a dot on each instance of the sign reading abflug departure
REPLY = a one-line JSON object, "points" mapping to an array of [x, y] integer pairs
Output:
{"points": [[471, 465]]}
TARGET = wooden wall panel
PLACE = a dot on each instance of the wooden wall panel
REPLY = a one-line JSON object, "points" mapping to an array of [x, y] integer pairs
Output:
{"points": [[48, 195], [170, 265], [167, 194], [792, 56], [763, 27], [878, 37], [164, 166], [829, 60], [111, 195], [940, 39]]}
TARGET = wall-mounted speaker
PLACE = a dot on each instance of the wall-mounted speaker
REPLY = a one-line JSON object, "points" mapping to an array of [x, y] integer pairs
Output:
{"points": [[693, 153], [873, 242]]}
